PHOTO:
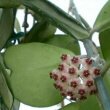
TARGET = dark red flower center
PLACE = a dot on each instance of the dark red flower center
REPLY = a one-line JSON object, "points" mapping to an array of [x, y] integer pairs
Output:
{"points": [[97, 71], [73, 98], [63, 94], [89, 83], [75, 60], [63, 78], [69, 93], [89, 61], [74, 84], [81, 91], [86, 73], [61, 67], [64, 57], [72, 70], [55, 77]]}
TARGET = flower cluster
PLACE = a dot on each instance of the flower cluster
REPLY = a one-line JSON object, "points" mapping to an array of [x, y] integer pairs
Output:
{"points": [[74, 77]]}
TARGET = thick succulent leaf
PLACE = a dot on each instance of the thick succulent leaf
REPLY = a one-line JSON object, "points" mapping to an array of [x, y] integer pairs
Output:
{"points": [[40, 32], [65, 41], [71, 106], [31, 64], [58, 17], [105, 45], [104, 38], [4, 90], [6, 26], [90, 104], [3, 106], [9, 3], [103, 19]]}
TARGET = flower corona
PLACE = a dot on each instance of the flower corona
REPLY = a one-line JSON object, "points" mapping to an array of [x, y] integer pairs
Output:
{"points": [[74, 77]]}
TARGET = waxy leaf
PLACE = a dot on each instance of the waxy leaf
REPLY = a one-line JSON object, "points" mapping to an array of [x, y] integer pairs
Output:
{"points": [[105, 46], [71, 106], [40, 32], [9, 3], [104, 38], [6, 26], [58, 17], [103, 19], [65, 41], [90, 104], [31, 64], [4, 90]]}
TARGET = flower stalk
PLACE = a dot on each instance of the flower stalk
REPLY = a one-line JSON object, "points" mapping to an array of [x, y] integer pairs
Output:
{"points": [[92, 52]]}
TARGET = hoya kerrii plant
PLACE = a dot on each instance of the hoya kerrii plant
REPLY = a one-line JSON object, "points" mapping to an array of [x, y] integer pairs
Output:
{"points": [[41, 69]]}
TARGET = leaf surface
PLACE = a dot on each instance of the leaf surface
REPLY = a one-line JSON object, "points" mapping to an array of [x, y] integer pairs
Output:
{"points": [[40, 32], [31, 64], [6, 26], [104, 38], [4, 89], [103, 19], [65, 41], [90, 104], [57, 17]]}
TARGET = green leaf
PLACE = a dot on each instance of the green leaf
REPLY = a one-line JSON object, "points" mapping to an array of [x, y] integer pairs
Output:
{"points": [[58, 17], [40, 32], [3, 106], [71, 106], [104, 44], [6, 26], [4, 90], [65, 41], [103, 19], [9, 3], [104, 38], [31, 64], [90, 104]]}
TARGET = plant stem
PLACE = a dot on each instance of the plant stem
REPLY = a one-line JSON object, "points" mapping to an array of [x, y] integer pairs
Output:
{"points": [[25, 24], [85, 24], [91, 52], [102, 92], [73, 10]]}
